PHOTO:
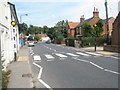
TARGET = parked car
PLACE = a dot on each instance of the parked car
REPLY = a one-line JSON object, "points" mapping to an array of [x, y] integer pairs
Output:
{"points": [[35, 42], [48, 42], [31, 43]]}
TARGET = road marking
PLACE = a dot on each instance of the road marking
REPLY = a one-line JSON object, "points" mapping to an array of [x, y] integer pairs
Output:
{"points": [[37, 57], [96, 65], [94, 54], [111, 71], [83, 54], [39, 77], [81, 60], [49, 56], [32, 54], [46, 85], [61, 55], [71, 54]]}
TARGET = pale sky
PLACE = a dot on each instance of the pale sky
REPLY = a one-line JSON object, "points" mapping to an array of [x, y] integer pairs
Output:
{"points": [[49, 12]]}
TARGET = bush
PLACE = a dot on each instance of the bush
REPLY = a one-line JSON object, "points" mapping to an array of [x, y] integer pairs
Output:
{"points": [[90, 41], [59, 39], [5, 78], [70, 41]]}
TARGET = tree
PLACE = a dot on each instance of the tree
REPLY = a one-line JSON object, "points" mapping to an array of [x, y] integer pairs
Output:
{"points": [[23, 28], [87, 30], [36, 38], [99, 28], [30, 38]]}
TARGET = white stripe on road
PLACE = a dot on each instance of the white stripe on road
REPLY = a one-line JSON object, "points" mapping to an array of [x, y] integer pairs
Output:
{"points": [[61, 55], [81, 60], [111, 71], [94, 54], [83, 54], [46, 85], [49, 56], [71, 54], [96, 65], [37, 57], [39, 77]]}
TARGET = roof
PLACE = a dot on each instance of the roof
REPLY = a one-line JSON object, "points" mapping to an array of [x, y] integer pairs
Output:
{"points": [[106, 19], [87, 20], [13, 10], [73, 24]]}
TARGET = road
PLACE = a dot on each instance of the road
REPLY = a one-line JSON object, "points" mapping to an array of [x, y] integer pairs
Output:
{"points": [[56, 66]]}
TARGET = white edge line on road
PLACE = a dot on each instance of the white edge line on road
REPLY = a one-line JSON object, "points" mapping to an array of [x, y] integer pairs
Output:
{"points": [[96, 65], [45, 84], [111, 71], [39, 77]]}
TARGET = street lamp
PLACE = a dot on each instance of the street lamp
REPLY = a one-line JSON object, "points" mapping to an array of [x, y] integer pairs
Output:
{"points": [[95, 34], [21, 17]]}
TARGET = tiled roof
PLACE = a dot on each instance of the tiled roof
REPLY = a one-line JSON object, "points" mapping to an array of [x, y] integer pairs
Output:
{"points": [[87, 20], [73, 24]]}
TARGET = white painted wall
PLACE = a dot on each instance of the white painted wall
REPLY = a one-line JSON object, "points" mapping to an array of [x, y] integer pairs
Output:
{"points": [[118, 6], [9, 34]]}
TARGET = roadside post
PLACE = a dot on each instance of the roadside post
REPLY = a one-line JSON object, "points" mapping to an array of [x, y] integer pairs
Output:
{"points": [[95, 34]]}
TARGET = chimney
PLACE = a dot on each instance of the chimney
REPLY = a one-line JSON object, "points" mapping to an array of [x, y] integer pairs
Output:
{"points": [[95, 12], [82, 18]]}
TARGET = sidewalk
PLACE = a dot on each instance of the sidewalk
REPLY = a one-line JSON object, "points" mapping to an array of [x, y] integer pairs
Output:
{"points": [[21, 76]]}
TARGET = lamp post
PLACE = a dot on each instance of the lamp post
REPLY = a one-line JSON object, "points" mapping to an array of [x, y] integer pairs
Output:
{"points": [[21, 17], [95, 34]]}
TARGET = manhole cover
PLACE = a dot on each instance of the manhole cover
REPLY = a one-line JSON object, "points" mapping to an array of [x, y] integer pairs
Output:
{"points": [[27, 75]]}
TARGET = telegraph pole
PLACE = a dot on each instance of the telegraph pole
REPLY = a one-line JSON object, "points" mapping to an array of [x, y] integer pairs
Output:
{"points": [[107, 25]]}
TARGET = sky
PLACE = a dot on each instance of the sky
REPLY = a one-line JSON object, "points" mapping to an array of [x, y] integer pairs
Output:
{"points": [[49, 12]]}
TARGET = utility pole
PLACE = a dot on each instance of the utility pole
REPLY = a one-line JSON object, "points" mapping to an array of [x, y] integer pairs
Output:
{"points": [[107, 25]]}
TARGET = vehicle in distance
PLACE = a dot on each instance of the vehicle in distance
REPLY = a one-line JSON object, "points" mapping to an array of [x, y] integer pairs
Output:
{"points": [[31, 43]]}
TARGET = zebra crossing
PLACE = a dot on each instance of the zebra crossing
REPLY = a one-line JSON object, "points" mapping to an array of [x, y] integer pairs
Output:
{"points": [[52, 56]]}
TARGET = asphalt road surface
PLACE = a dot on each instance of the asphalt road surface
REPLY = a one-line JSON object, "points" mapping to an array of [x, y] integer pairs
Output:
{"points": [[57, 66]]}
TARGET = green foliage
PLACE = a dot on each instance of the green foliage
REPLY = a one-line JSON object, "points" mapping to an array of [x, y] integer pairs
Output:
{"points": [[59, 39], [87, 30], [70, 41], [23, 28], [99, 28], [36, 38], [30, 38], [5, 78], [90, 41]]}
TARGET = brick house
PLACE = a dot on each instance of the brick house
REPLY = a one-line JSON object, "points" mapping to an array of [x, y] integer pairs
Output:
{"points": [[71, 30], [93, 20], [116, 31], [115, 45]]}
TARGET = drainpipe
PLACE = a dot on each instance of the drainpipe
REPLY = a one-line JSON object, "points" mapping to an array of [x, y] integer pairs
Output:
{"points": [[0, 64]]}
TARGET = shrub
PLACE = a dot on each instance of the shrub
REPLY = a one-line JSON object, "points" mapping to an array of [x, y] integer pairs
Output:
{"points": [[59, 39], [90, 41], [70, 41], [5, 78]]}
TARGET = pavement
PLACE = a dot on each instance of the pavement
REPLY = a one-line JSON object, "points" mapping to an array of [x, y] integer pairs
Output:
{"points": [[21, 76]]}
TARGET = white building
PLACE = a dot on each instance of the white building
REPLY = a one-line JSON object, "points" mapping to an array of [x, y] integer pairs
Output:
{"points": [[9, 34]]}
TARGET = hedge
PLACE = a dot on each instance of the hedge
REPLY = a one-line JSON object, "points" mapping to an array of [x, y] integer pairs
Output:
{"points": [[70, 41], [90, 41]]}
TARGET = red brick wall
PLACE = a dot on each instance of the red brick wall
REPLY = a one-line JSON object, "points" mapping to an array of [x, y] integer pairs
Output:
{"points": [[116, 31]]}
